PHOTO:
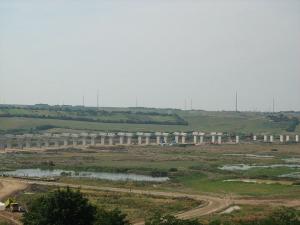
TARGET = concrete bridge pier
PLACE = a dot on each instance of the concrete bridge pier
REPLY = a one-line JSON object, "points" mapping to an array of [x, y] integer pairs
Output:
{"points": [[195, 135], [165, 137], [237, 139], [176, 135], [297, 138], [129, 138], [140, 137], [158, 137], [121, 138], [281, 138], [183, 137], [287, 138], [147, 138], [111, 138], [201, 137]]}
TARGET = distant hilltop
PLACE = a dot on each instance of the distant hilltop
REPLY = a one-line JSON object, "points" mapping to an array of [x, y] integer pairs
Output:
{"points": [[43, 117]]}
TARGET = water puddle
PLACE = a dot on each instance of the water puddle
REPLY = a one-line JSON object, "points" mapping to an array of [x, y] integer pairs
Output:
{"points": [[248, 167], [250, 155], [291, 175], [38, 173], [292, 160]]}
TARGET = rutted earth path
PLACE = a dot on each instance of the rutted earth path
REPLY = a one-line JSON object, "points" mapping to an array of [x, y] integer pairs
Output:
{"points": [[209, 205], [8, 188]]}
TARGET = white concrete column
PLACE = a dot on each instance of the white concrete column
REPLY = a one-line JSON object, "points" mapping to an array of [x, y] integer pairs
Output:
{"points": [[176, 135], [287, 138], [158, 135], [201, 139], [195, 135], [83, 138], [165, 137], [121, 138], [254, 138], [213, 137], [102, 137], [219, 138], [111, 138], [271, 138], [237, 139], [281, 138], [129, 137], [93, 139], [74, 139], [265, 138], [183, 136], [147, 138], [65, 138], [140, 137], [297, 138]]}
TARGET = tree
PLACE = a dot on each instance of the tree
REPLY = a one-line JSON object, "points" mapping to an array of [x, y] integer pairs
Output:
{"points": [[158, 219], [283, 216], [114, 217], [61, 207]]}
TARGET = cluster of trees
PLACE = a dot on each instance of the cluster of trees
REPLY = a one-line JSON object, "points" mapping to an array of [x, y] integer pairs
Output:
{"points": [[292, 122], [92, 115], [67, 207]]}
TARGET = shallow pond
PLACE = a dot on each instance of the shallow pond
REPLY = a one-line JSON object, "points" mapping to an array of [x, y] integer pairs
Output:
{"points": [[291, 175], [38, 173], [248, 167], [249, 155]]}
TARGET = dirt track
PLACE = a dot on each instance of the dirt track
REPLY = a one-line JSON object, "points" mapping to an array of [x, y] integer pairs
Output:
{"points": [[209, 204], [8, 188]]}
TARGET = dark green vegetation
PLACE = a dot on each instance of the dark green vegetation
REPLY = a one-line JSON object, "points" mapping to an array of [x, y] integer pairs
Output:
{"points": [[90, 114], [158, 219], [37, 118], [279, 216], [67, 207], [136, 206]]}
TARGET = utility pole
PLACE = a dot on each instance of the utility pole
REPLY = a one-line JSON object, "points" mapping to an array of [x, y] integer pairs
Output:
{"points": [[136, 102], [273, 105], [191, 104], [83, 100], [236, 101], [98, 99], [184, 104]]}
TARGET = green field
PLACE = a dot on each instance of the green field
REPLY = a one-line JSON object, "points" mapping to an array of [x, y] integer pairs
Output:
{"points": [[16, 120]]}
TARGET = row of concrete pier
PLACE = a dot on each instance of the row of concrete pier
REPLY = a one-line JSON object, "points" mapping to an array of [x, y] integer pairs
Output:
{"points": [[139, 138]]}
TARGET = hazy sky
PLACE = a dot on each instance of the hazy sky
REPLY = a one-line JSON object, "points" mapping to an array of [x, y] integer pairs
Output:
{"points": [[158, 51]]}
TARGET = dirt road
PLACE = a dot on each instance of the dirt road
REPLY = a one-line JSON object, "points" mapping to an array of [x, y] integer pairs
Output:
{"points": [[209, 204], [7, 189]]}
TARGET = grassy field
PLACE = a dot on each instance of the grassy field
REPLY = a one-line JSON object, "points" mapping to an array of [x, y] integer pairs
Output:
{"points": [[193, 169], [137, 207], [57, 118]]}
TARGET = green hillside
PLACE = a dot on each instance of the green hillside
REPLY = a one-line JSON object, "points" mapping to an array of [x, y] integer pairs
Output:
{"points": [[42, 117]]}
